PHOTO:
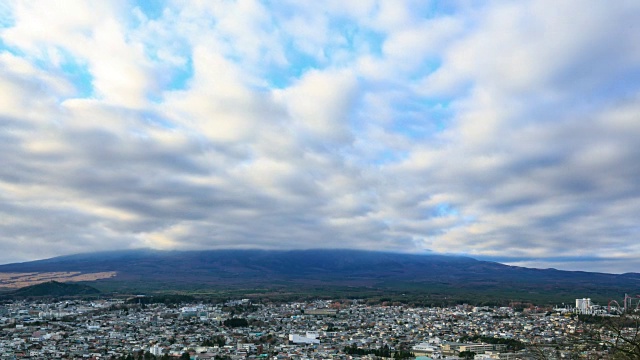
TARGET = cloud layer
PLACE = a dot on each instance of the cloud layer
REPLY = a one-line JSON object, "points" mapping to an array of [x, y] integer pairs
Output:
{"points": [[505, 131]]}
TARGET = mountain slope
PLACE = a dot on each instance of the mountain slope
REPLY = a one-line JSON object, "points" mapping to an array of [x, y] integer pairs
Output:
{"points": [[346, 268], [54, 288]]}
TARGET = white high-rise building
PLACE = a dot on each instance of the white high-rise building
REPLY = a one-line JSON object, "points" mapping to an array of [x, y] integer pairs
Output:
{"points": [[583, 306], [155, 350]]}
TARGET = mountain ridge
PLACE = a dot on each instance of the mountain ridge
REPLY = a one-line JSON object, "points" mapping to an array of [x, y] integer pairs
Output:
{"points": [[54, 288], [328, 268]]}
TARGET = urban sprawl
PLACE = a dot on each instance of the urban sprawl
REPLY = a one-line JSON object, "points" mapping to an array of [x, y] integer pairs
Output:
{"points": [[323, 329]]}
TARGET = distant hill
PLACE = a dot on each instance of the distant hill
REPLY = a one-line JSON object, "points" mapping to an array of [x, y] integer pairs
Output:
{"points": [[302, 270], [54, 289]]}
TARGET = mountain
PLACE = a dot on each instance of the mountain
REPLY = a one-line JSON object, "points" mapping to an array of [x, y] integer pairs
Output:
{"points": [[326, 269], [54, 289]]}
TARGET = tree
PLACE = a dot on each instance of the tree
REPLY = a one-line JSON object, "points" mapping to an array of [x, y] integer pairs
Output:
{"points": [[615, 338], [236, 322], [467, 354], [217, 340], [622, 336], [185, 356]]}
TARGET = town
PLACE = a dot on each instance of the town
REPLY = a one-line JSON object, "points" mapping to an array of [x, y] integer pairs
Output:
{"points": [[322, 329]]}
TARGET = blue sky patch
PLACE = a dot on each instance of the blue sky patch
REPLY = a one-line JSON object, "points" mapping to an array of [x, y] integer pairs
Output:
{"points": [[445, 210], [151, 8], [80, 76]]}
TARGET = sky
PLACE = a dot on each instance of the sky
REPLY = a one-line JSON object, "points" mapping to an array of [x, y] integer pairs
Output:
{"points": [[501, 130]]}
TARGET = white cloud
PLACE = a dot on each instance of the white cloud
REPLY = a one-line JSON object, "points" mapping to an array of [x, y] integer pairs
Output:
{"points": [[498, 130], [319, 105]]}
